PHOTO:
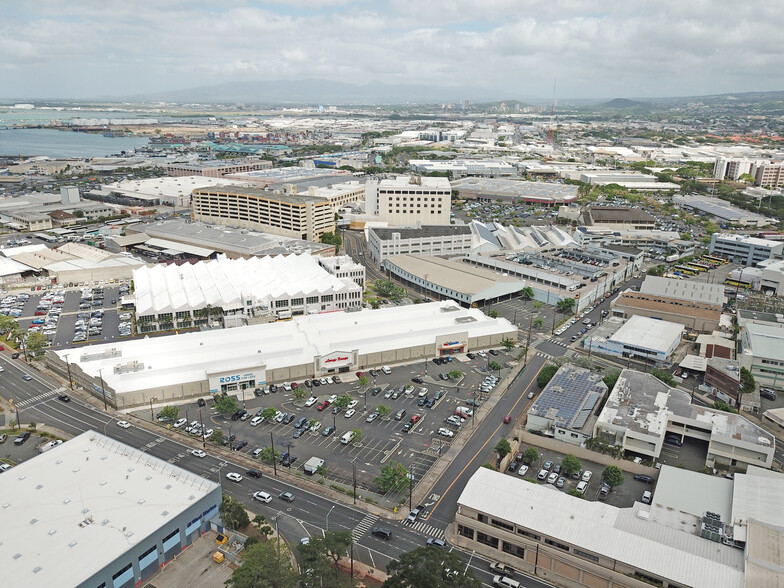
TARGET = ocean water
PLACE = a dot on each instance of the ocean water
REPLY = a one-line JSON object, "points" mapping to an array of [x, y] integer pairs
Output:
{"points": [[63, 144]]}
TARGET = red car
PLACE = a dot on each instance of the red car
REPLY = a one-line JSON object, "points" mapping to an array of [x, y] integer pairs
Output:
{"points": [[40, 312], [2, 348], [360, 374], [323, 405], [507, 419], [294, 386]]}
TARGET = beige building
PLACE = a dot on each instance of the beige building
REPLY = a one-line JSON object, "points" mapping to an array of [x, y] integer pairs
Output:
{"points": [[217, 169], [410, 200], [279, 213], [770, 175]]}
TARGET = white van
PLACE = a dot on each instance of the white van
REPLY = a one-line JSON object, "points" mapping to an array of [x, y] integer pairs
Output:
{"points": [[347, 437], [505, 582], [386, 369]]}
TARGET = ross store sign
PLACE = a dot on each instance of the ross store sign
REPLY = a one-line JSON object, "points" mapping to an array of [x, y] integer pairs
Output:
{"points": [[336, 359]]}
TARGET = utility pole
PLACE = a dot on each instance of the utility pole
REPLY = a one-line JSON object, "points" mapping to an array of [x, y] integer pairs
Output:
{"points": [[68, 365], [103, 389], [354, 479], [274, 461], [528, 341], [203, 438]]}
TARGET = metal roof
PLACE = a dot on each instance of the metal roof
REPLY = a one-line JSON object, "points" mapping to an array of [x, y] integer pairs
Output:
{"points": [[597, 527]]}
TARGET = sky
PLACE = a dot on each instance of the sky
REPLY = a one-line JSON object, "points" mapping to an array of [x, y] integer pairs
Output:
{"points": [[584, 48]]}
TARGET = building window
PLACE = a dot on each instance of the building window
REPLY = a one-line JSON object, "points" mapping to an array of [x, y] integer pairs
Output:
{"points": [[584, 555], [528, 534], [487, 539], [556, 544], [482, 518], [465, 531], [281, 303], [296, 302], [503, 525], [648, 579], [312, 299], [515, 550]]}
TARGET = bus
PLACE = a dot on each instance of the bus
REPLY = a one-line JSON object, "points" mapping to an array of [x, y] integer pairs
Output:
{"points": [[714, 259], [738, 283], [684, 269], [700, 267]]}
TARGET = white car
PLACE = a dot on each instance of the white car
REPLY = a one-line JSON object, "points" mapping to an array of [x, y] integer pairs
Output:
{"points": [[311, 401], [350, 413], [352, 404], [124, 424], [552, 478], [523, 470], [423, 392], [208, 433], [330, 380], [287, 386], [179, 423], [316, 426], [255, 421], [587, 476], [234, 477], [333, 398], [199, 453], [445, 432], [262, 497]]}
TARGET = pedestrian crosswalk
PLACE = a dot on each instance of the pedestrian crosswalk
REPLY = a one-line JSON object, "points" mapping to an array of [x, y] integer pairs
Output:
{"points": [[39, 397], [429, 530], [560, 342], [363, 526]]}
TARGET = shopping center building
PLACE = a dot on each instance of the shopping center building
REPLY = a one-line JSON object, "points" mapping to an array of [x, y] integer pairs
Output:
{"points": [[187, 366]]}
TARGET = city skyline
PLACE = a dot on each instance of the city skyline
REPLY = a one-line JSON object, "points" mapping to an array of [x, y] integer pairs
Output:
{"points": [[81, 50]]}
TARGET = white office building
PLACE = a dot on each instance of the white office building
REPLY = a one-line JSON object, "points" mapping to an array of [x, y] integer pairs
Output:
{"points": [[640, 337], [437, 240], [409, 201], [744, 249]]}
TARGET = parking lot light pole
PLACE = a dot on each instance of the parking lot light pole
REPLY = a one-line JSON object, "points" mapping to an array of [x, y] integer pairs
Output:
{"points": [[203, 438], [152, 418], [103, 389], [274, 461], [334, 424], [68, 365], [326, 521]]}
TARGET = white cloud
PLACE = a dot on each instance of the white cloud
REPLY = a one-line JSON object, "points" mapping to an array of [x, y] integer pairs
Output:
{"points": [[612, 48]]}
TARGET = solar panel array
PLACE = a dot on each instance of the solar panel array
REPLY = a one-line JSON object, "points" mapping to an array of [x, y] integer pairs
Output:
{"points": [[570, 396]]}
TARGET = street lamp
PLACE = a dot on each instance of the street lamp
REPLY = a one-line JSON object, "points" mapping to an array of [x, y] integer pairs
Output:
{"points": [[152, 419], [326, 522]]}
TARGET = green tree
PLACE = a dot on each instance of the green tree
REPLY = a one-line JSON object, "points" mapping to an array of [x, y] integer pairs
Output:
{"points": [[747, 382], [35, 343], [575, 492], [269, 413], [226, 405], [356, 436], [545, 375], [610, 378], [217, 437], [429, 567], [263, 565], [527, 293], [537, 305], [7, 324], [269, 456], [262, 525], [342, 401], [493, 313], [502, 448], [566, 305], [570, 465], [393, 477], [362, 382], [494, 366], [530, 455], [612, 476], [322, 471], [455, 374], [170, 413], [332, 239], [538, 322], [300, 393], [508, 343], [383, 411], [322, 554], [665, 377], [719, 405], [233, 513]]}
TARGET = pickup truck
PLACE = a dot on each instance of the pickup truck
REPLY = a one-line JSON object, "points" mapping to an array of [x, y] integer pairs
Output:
{"points": [[502, 569]]}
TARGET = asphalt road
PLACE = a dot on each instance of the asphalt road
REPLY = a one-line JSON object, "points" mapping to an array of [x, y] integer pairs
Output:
{"points": [[310, 514]]}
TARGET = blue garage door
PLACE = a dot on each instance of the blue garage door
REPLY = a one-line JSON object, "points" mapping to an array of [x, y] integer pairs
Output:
{"points": [[171, 545], [124, 577], [148, 562]]}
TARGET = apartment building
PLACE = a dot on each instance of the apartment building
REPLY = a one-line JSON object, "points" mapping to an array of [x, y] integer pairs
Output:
{"points": [[410, 200], [770, 175], [279, 213], [437, 240], [743, 249]]}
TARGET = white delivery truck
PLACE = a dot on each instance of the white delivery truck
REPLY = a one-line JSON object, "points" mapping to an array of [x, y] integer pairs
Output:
{"points": [[313, 464]]}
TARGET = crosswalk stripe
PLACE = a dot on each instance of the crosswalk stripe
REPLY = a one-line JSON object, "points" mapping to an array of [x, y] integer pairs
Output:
{"points": [[428, 530], [363, 526], [39, 397]]}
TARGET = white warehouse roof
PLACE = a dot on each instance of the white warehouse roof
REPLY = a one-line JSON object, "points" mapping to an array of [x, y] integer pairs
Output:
{"points": [[174, 359], [68, 516], [226, 283], [641, 331]]}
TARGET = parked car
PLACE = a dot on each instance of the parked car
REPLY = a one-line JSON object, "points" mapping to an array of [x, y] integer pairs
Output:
{"points": [[643, 478]]}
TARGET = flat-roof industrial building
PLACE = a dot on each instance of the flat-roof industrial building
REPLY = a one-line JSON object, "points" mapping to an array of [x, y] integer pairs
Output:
{"points": [[640, 337], [186, 366], [432, 240], [97, 512], [518, 191]]}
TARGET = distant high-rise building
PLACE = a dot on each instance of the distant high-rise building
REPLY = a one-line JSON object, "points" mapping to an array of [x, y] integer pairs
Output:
{"points": [[465, 104], [69, 195]]}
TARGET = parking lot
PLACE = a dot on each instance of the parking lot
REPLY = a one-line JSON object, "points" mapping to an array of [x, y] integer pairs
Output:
{"points": [[417, 445], [621, 496], [88, 314]]}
